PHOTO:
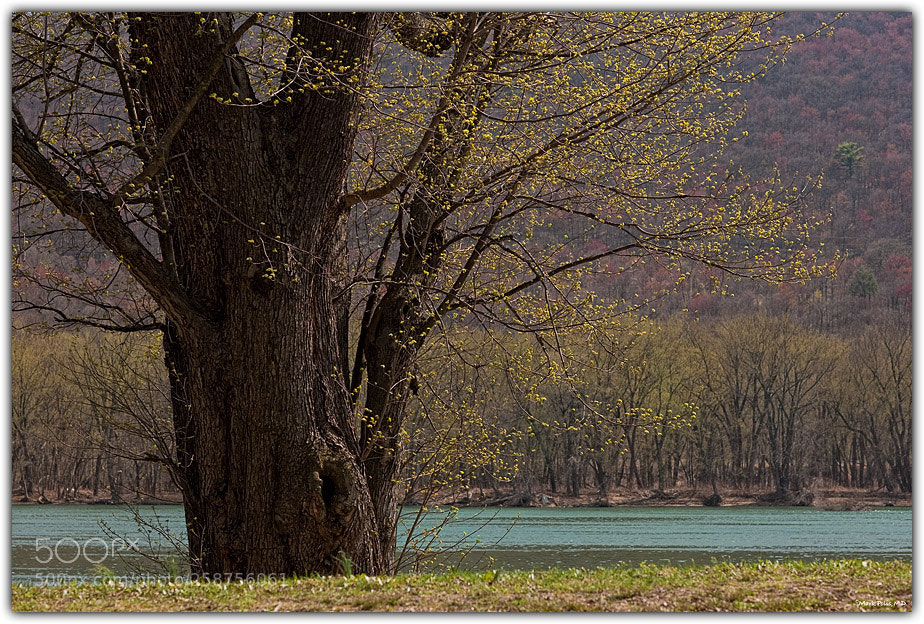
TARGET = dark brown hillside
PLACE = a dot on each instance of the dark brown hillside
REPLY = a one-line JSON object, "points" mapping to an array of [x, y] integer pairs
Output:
{"points": [[852, 87]]}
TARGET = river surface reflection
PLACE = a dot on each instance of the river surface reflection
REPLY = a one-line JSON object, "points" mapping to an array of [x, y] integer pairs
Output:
{"points": [[59, 543]]}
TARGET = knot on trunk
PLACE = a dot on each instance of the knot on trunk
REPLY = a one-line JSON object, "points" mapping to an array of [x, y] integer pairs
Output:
{"points": [[332, 495]]}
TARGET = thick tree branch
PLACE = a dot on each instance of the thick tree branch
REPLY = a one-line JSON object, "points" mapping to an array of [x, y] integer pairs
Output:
{"points": [[159, 154], [101, 219]]}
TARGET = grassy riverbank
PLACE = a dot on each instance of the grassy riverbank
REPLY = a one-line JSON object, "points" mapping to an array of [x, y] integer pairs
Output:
{"points": [[844, 585]]}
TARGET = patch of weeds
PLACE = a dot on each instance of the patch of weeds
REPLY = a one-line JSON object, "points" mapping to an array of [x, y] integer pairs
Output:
{"points": [[763, 586]]}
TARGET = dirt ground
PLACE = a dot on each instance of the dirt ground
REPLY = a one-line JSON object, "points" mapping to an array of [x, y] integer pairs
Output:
{"points": [[832, 499], [86, 497]]}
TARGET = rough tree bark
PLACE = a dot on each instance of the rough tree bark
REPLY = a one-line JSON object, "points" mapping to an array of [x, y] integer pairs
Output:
{"points": [[253, 230], [263, 421]]}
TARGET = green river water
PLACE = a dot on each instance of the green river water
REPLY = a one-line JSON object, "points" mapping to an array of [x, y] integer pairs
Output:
{"points": [[60, 543]]}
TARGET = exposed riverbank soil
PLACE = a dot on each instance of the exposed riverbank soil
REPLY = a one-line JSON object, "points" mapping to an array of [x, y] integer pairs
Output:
{"points": [[86, 497], [830, 499]]}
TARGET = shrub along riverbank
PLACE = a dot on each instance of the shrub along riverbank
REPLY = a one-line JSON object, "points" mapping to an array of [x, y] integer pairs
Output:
{"points": [[843, 585]]}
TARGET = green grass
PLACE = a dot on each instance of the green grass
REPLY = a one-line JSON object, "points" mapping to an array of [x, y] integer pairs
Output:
{"points": [[843, 585]]}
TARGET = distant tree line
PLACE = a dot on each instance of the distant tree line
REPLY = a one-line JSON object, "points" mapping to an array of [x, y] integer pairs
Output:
{"points": [[755, 404], [750, 404], [90, 418]]}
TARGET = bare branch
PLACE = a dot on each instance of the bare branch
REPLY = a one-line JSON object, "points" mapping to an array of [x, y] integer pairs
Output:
{"points": [[103, 223], [442, 108]]}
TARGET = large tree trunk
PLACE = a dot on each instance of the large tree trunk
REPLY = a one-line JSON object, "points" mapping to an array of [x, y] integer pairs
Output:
{"points": [[280, 490], [383, 452], [266, 448]]}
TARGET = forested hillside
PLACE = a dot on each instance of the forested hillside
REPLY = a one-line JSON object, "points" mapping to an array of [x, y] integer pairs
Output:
{"points": [[787, 388], [851, 88]]}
